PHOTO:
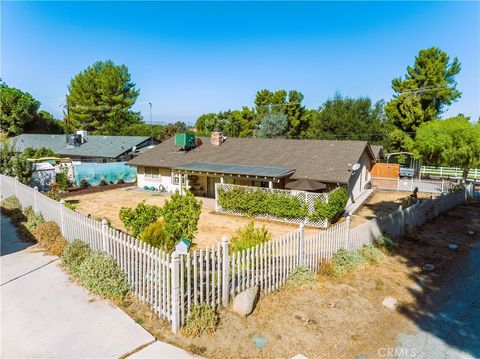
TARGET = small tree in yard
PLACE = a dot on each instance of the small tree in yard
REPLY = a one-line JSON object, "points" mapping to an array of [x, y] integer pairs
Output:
{"points": [[181, 215], [137, 219], [452, 142]]}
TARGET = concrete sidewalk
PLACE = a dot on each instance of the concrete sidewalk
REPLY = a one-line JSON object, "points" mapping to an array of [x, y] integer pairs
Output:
{"points": [[45, 314]]}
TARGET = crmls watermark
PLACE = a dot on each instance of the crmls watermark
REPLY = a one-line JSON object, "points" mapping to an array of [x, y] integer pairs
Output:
{"points": [[397, 353]]}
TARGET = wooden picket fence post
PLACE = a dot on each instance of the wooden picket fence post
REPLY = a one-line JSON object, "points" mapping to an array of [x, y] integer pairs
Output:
{"points": [[16, 187], [35, 191], [62, 225], [301, 245], [104, 234], [225, 272], [347, 232], [175, 269]]}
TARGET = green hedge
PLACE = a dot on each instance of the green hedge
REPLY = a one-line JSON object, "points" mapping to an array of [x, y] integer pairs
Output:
{"points": [[336, 203], [254, 202]]}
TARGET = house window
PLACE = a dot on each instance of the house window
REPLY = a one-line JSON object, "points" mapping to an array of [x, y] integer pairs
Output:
{"points": [[176, 179], [151, 172]]}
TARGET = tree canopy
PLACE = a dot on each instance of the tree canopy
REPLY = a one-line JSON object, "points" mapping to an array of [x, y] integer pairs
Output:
{"points": [[349, 118], [100, 99], [20, 113], [273, 125], [422, 94], [452, 142]]}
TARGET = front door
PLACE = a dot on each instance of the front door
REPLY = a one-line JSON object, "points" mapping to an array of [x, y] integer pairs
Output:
{"points": [[211, 186]]}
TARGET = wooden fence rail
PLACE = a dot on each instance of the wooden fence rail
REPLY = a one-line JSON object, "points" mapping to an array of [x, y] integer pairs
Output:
{"points": [[171, 284]]}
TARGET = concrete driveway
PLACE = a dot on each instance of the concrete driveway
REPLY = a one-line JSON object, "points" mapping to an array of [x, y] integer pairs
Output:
{"points": [[45, 315]]}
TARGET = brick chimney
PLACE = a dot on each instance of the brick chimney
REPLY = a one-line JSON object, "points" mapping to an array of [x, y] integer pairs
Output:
{"points": [[216, 138]]}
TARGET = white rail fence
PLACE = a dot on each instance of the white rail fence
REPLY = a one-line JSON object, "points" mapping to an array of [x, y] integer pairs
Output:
{"points": [[409, 184], [308, 198], [171, 283], [448, 172]]}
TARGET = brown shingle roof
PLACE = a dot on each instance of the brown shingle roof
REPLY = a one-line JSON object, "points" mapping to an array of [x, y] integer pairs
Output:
{"points": [[325, 161]]}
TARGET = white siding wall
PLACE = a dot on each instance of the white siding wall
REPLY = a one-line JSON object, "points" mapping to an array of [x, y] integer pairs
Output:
{"points": [[359, 181], [164, 179]]}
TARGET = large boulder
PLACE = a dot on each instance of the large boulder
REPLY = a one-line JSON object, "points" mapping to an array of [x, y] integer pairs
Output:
{"points": [[244, 303]]}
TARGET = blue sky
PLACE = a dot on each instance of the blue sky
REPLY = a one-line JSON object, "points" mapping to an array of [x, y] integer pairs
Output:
{"points": [[192, 58]]}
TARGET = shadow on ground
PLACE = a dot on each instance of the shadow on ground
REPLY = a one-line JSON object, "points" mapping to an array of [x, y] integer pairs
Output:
{"points": [[447, 309], [10, 242]]}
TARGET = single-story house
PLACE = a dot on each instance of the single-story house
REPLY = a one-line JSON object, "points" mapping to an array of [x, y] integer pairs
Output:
{"points": [[83, 147], [254, 162]]}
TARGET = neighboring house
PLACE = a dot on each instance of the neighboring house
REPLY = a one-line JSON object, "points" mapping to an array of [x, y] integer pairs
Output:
{"points": [[378, 152], [254, 162], [82, 147]]}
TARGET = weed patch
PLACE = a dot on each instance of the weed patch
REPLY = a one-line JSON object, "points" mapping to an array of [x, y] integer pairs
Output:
{"points": [[346, 261], [100, 274], [202, 319], [302, 277], [50, 237], [74, 255]]}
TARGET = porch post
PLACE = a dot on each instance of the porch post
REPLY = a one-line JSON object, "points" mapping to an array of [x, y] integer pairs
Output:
{"points": [[270, 184], [180, 182], [222, 180]]}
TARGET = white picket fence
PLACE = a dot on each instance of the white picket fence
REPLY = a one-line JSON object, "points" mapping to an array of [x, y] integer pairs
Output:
{"points": [[306, 197], [171, 283]]}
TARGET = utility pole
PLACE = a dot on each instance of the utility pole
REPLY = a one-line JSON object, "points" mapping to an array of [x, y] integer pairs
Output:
{"points": [[151, 124]]}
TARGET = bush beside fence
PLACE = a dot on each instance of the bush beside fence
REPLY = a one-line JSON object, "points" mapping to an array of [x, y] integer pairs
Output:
{"points": [[171, 284], [274, 204]]}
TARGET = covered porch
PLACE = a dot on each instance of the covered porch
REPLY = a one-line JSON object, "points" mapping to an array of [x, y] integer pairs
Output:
{"points": [[201, 177]]}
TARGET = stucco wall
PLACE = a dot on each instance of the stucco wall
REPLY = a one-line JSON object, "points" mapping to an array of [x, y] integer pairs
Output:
{"points": [[164, 179], [359, 182]]}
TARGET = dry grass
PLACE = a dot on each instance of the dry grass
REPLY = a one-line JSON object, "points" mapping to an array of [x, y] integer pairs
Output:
{"points": [[380, 203], [339, 318], [211, 228]]}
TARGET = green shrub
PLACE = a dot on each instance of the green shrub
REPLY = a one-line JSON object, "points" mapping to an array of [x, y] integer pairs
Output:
{"points": [[103, 183], [345, 261], [50, 237], [53, 195], [254, 202], [101, 275], [62, 181], [10, 204], [248, 236], [372, 254], [31, 221], [155, 235], [138, 218], [70, 205], [302, 277], [329, 210], [181, 215], [202, 319], [74, 255], [386, 243]]}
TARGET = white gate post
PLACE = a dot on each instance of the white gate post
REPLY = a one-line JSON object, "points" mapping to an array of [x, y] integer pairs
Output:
{"points": [[62, 205], [411, 185], [442, 184], [175, 268], [16, 187], [216, 197], [347, 232], [35, 190], [104, 235], [225, 271], [301, 245]]}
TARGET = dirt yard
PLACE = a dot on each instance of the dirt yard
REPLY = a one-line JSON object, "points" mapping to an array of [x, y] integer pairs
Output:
{"points": [[344, 317], [382, 202], [211, 227]]}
